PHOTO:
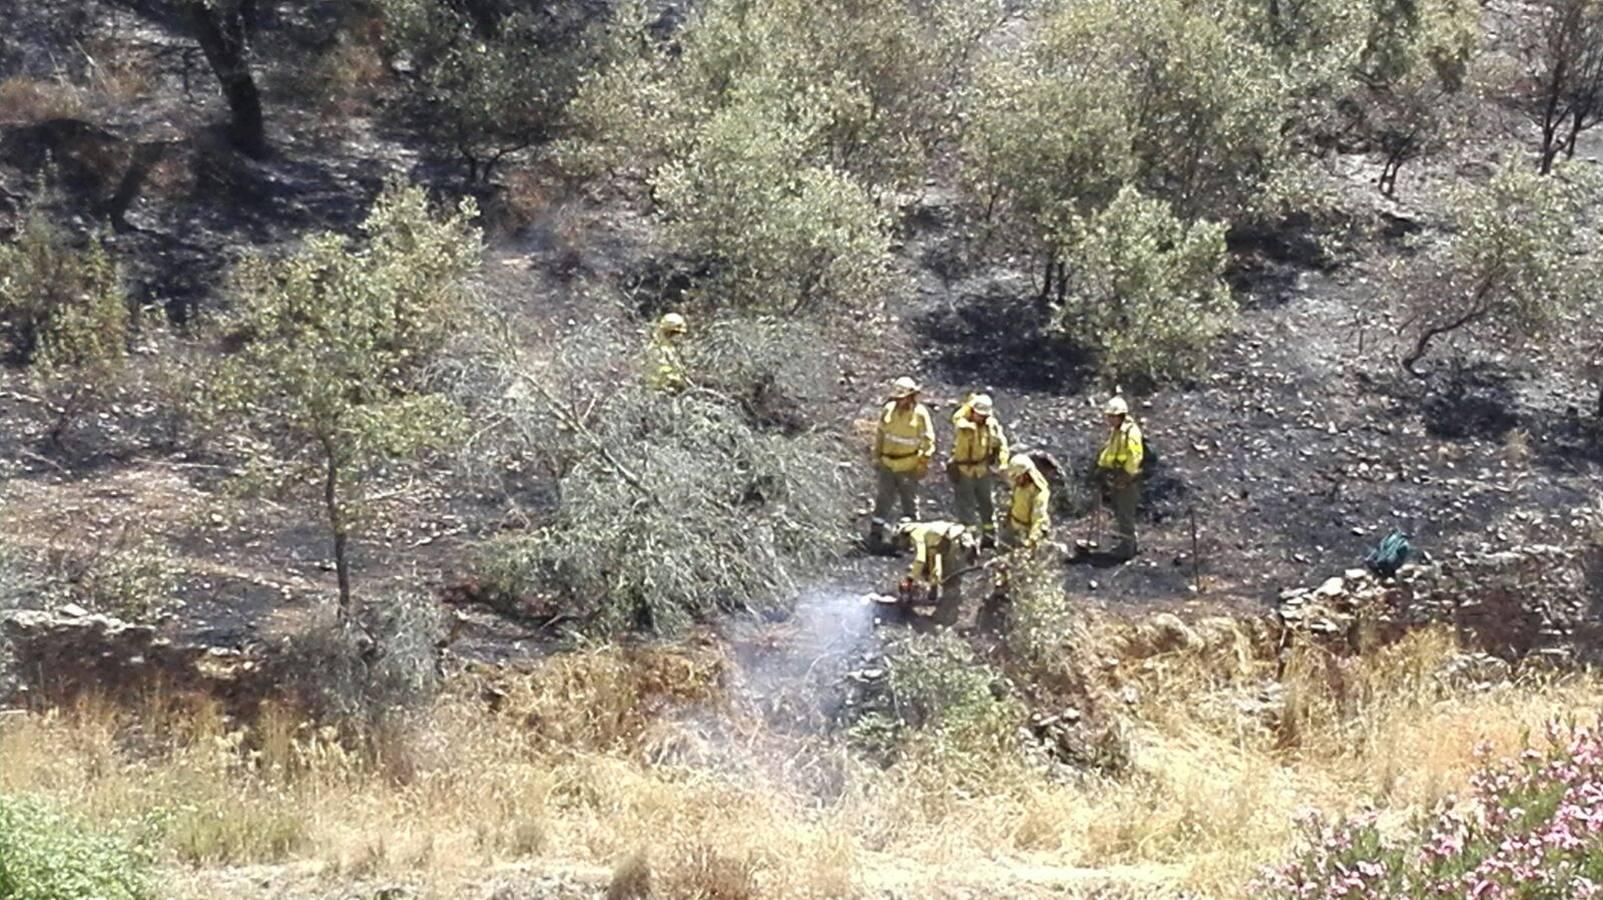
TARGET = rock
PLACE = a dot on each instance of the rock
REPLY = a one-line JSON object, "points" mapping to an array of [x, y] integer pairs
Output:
{"points": [[60, 657], [72, 611], [1331, 589]]}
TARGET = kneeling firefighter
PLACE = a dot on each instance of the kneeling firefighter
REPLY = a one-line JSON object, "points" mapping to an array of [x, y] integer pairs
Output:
{"points": [[941, 552]]}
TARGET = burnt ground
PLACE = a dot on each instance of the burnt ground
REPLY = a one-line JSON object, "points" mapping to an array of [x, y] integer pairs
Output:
{"points": [[1300, 449]]}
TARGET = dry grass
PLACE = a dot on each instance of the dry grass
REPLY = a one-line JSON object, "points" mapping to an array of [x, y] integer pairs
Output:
{"points": [[637, 762], [28, 101]]}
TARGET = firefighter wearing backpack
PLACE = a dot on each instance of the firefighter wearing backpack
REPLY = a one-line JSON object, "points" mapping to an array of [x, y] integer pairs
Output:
{"points": [[1028, 519], [979, 451], [904, 441], [1119, 467]]}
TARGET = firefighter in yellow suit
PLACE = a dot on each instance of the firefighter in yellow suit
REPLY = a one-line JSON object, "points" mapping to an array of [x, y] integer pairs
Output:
{"points": [[904, 442], [1119, 465], [941, 551], [1028, 519], [665, 364], [979, 452]]}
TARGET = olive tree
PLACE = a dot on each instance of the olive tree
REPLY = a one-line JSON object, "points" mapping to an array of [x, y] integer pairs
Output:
{"points": [[225, 31], [1560, 88], [1144, 290], [1409, 97], [486, 79], [330, 350], [771, 138], [1174, 98], [1515, 259]]}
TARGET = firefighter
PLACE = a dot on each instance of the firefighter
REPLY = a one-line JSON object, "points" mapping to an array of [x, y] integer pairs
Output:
{"points": [[1028, 520], [1119, 467], [979, 452], [665, 364], [941, 551], [904, 442]]}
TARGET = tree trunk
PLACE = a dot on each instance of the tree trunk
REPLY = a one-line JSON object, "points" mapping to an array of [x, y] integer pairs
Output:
{"points": [[221, 34], [336, 524], [1046, 279], [1422, 345], [1576, 119], [1388, 175]]}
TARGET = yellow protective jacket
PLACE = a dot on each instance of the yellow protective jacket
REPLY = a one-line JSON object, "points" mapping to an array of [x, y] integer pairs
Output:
{"points": [[1123, 450], [905, 439], [931, 542], [665, 366], [978, 448], [1027, 510]]}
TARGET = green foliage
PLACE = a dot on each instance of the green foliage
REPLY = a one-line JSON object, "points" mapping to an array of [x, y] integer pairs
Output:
{"points": [[1408, 98], [937, 695], [668, 506], [45, 855], [62, 307], [1144, 289], [770, 136], [334, 344], [1517, 257], [1040, 620], [484, 79], [1170, 96], [371, 671], [126, 573], [785, 234]]}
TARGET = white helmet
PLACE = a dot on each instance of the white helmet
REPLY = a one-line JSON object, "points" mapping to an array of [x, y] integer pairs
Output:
{"points": [[903, 387], [1020, 465], [672, 323], [982, 405], [1116, 406]]}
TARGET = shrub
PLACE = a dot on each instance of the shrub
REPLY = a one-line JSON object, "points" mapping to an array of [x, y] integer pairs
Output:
{"points": [[1144, 289], [127, 573], [61, 306], [667, 506], [938, 695], [783, 233], [65, 316], [373, 668], [45, 855], [1516, 258], [1532, 827]]}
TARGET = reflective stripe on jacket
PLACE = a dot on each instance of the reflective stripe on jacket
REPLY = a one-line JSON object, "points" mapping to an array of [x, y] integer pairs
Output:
{"points": [[1123, 450], [905, 437], [1027, 510], [978, 448]]}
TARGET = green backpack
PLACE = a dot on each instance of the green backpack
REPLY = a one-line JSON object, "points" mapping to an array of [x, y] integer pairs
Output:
{"points": [[1389, 555]]}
